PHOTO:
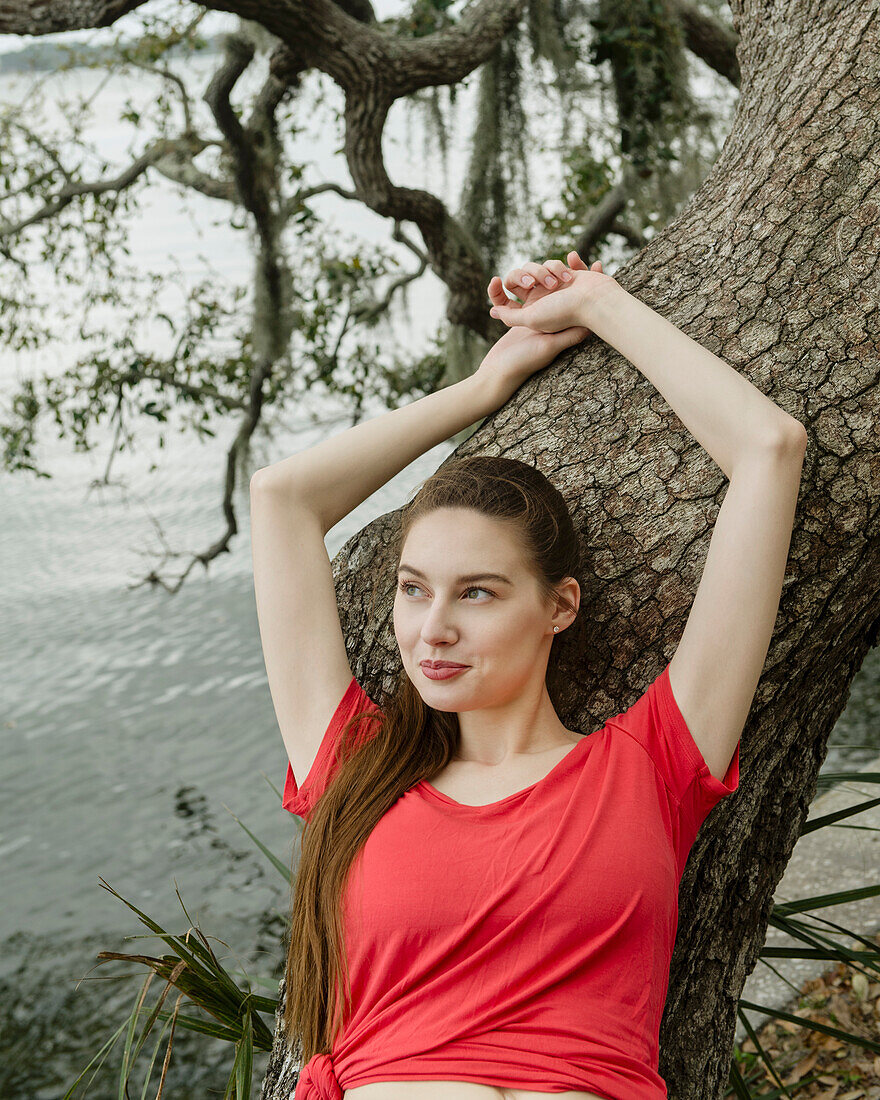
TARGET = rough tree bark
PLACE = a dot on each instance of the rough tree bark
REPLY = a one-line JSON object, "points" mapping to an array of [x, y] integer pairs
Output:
{"points": [[772, 265]]}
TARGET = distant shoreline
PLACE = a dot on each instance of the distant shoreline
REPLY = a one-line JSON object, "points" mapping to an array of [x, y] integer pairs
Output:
{"points": [[46, 56]]}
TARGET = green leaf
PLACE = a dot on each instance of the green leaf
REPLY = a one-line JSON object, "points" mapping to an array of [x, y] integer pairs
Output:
{"points": [[244, 1060], [839, 815], [105, 1050], [813, 1025], [278, 864], [819, 901], [765, 1056]]}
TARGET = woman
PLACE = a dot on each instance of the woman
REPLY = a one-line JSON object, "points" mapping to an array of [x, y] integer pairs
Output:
{"points": [[490, 896]]}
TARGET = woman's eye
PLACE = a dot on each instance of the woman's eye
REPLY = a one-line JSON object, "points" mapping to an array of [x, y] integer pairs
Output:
{"points": [[404, 585]]}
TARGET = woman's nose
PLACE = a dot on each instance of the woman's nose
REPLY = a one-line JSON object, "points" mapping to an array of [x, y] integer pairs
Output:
{"points": [[438, 626]]}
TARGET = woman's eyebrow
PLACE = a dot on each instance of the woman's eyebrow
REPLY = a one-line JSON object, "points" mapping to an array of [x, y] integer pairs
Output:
{"points": [[461, 580]]}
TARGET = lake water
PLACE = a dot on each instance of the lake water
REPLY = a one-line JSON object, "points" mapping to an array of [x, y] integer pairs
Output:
{"points": [[132, 718]]}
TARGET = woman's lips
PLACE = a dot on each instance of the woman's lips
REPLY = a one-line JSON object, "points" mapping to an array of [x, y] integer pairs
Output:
{"points": [[443, 673]]}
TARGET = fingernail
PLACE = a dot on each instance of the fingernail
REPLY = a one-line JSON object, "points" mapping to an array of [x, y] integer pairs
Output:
{"points": [[566, 278], [493, 312], [527, 280], [550, 281]]}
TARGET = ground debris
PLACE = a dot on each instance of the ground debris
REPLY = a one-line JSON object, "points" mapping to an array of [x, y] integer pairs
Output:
{"points": [[843, 998]]}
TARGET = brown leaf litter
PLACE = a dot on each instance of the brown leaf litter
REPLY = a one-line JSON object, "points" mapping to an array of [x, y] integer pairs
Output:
{"points": [[843, 998]]}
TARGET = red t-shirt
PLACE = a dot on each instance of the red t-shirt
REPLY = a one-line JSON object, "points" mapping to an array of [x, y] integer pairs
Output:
{"points": [[525, 943]]}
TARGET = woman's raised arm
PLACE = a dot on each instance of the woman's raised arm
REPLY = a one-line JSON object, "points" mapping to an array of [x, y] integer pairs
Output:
{"points": [[294, 503], [336, 475]]}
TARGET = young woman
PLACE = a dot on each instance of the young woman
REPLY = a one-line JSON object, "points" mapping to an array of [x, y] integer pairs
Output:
{"points": [[486, 901]]}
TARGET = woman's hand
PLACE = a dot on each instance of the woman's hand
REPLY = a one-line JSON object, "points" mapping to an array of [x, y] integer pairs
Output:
{"points": [[531, 342], [550, 309], [519, 354]]}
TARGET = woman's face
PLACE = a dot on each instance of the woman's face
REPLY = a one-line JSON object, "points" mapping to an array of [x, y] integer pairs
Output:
{"points": [[447, 608]]}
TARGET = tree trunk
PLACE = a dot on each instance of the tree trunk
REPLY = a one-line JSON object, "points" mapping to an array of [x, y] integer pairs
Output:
{"points": [[772, 266]]}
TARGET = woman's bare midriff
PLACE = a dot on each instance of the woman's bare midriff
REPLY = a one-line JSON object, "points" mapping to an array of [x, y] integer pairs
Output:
{"points": [[454, 1090]]}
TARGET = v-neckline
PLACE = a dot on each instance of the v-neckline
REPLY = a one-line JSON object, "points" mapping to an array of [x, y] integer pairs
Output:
{"points": [[429, 788]]}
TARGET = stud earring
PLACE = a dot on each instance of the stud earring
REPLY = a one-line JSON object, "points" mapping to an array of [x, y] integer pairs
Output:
{"points": [[555, 628]]}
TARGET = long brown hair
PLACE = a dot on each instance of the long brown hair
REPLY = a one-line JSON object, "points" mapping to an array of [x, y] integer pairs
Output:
{"points": [[410, 741]]}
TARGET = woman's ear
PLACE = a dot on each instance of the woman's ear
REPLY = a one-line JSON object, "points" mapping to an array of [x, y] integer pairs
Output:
{"points": [[571, 590]]}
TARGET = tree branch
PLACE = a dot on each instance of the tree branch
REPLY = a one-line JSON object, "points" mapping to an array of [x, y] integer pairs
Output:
{"points": [[172, 78], [604, 215], [167, 379], [710, 40], [186, 173], [292, 204], [38, 18], [162, 149], [368, 312]]}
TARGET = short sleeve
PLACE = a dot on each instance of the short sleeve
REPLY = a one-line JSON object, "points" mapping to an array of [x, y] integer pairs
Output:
{"points": [[656, 722], [301, 799]]}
